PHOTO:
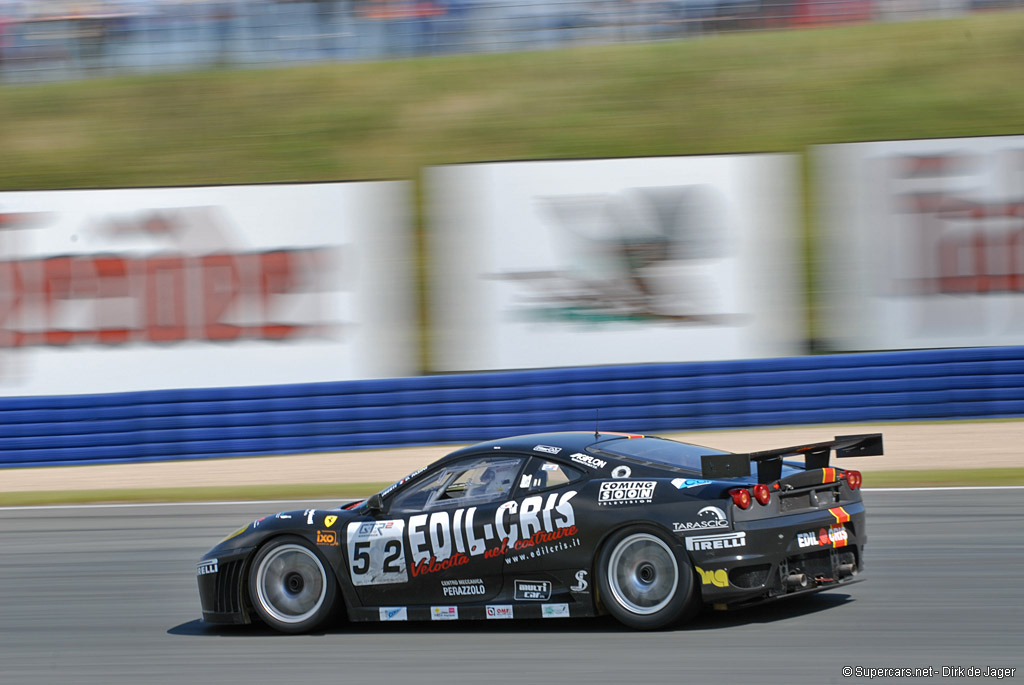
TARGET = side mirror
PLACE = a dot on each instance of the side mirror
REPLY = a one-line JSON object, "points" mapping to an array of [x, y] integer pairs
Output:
{"points": [[375, 504]]}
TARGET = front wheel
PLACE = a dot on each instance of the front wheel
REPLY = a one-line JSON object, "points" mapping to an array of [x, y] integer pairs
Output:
{"points": [[643, 581], [291, 587]]}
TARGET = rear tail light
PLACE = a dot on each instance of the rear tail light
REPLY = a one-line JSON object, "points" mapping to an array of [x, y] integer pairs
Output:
{"points": [[853, 478], [740, 497], [762, 494]]}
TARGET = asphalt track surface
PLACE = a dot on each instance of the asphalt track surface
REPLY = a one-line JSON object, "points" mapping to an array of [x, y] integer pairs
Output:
{"points": [[107, 594]]}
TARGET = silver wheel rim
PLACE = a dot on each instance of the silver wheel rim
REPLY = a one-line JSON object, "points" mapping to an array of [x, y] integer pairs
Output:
{"points": [[291, 583], [643, 574]]}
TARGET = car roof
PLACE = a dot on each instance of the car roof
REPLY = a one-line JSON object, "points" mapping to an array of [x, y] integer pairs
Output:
{"points": [[565, 441]]}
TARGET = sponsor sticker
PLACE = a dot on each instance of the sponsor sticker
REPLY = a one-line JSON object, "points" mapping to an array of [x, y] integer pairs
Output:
{"points": [[704, 543], [206, 567], [463, 587], [581, 582], [626, 492], [376, 553], [532, 590], [708, 518], [499, 611], [833, 536], [327, 538], [554, 610], [717, 577], [683, 483], [394, 614], [547, 449], [329, 520], [389, 489], [442, 541], [587, 460], [444, 613], [622, 472]]}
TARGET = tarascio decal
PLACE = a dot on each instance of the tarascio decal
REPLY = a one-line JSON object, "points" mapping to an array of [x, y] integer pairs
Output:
{"points": [[708, 518], [375, 552], [717, 577]]}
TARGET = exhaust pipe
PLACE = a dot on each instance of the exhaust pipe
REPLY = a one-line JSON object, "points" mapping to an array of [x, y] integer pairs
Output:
{"points": [[847, 570], [796, 580]]}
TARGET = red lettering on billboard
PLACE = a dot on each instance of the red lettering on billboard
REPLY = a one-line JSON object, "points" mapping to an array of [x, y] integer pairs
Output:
{"points": [[116, 300]]}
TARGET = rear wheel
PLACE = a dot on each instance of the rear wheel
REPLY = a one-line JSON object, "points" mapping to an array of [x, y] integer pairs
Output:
{"points": [[644, 582], [291, 587]]}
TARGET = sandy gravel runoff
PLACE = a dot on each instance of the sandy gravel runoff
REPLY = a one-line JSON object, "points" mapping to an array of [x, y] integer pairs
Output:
{"points": [[953, 445]]}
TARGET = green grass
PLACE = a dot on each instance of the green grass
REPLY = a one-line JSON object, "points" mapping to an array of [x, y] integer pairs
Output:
{"points": [[878, 479], [920, 478], [773, 91]]}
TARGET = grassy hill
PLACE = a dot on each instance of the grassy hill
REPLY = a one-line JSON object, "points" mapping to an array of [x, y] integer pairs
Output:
{"points": [[779, 91]]}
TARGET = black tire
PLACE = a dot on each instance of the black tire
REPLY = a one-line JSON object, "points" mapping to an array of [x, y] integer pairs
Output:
{"points": [[291, 587], [645, 581]]}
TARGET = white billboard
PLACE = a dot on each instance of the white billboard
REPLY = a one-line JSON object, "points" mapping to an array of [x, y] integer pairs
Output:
{"points": [[924, 243], [566, 263], [137, 289]]}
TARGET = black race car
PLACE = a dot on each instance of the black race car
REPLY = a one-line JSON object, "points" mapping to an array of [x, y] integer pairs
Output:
{"points": [[556, 525]]}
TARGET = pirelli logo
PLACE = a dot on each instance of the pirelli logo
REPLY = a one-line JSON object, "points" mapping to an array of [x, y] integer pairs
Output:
{"points": [[701, 543], [204, 568], [328, 538]]}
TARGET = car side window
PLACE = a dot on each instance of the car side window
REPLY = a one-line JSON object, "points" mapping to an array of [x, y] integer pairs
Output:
{"points": [[472, 481], [541, 474]]}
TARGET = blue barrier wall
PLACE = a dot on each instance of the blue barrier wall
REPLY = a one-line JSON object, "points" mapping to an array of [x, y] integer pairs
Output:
{"points": [[216, 422]]}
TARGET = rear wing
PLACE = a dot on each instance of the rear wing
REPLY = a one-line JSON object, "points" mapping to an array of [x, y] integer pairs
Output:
{"points": [[769, 462]]}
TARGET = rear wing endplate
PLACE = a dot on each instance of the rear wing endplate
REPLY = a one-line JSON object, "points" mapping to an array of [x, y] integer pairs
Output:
{"points": [[769, 462]]}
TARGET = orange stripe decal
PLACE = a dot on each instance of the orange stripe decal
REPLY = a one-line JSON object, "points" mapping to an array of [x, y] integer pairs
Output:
{"points": [[840, 514], [829, 476]]}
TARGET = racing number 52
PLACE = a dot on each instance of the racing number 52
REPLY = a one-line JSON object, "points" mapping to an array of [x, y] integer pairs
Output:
{"points": [[361, 557]]}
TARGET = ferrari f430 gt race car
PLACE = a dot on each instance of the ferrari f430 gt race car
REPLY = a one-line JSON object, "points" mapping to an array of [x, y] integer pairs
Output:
{"points": [[556, 525]]}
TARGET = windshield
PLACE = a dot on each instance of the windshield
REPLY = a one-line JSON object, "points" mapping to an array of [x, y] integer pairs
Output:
{"points": [[681, 455]]}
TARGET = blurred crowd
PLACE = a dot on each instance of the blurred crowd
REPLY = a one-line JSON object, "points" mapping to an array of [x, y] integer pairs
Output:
{"points": [[42, 39]]}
